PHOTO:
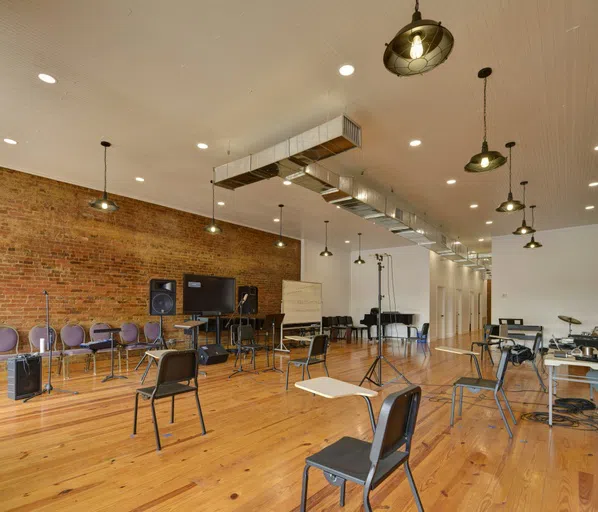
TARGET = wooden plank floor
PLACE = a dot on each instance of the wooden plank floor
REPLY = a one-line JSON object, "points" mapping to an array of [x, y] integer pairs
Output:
{"points": [[77, 452]]}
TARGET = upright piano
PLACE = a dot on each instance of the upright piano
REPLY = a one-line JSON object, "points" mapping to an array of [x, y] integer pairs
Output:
{"points": [[387, 318]]}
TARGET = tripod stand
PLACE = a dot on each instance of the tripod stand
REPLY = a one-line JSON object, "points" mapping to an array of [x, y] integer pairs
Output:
{"points": [[48, 388], [374, 373], [275, 320]]}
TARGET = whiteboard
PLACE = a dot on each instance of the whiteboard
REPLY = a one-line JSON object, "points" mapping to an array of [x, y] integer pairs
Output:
{"points": [[301, 302]]}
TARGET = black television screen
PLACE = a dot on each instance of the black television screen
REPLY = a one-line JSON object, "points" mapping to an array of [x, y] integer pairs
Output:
{"points": [[208, 295]]}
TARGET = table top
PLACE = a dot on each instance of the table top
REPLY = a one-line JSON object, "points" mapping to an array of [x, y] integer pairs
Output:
{"points": [[190, 324], [455, 350], [333, 388], [550, 360], [157, 354]]}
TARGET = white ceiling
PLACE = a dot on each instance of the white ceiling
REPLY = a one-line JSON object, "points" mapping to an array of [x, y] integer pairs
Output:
{"points": [[156, 77]]}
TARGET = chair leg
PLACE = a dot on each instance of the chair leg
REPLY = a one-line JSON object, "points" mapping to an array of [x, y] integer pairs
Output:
{"points": [[94, 363], [453, 406], [203, 425], [253, 357], [367, 506], [326, 369], [539, 376], [418, 502], [119, 363], [156, 431], [288, 370], [508, 405], [342, 498], [172, 411], [502, 413], [490, 354], [304, 489], [461, 402], [308, 374], [303, 372], [135, 414]]}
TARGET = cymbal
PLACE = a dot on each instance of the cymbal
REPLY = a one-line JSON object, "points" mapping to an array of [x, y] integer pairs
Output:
{"points": [[569, 320]]}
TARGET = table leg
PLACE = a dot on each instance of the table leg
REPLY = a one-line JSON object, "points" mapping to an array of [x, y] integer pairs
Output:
{"points": [[550, 385], [371, 413]]}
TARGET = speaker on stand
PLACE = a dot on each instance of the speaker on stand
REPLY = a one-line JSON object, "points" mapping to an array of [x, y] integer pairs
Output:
{"points": [[250, 306]]}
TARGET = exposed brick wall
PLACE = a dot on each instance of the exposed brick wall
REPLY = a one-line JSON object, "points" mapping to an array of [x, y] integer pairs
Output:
{"points": [[97, 266]]}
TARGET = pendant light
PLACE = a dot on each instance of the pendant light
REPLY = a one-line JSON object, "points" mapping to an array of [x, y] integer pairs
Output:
{"points": [[360, 260], [418, 47], [524, 229], [326, 252], [104, 204], [212, 228], [486, 160], [510, 205], [280, 242], [532, 244]]}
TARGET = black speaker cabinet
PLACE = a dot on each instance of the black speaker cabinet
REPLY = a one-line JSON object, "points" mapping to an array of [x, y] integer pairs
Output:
{"points": [[162, 297], [24, 376], [212, 354], [250, 306]]}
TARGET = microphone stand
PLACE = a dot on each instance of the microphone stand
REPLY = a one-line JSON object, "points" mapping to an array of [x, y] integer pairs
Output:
{"points": [[48, 388], [374, 373], [239, 348]]}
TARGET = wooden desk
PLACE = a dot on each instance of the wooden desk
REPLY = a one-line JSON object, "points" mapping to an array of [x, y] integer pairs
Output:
{"points": [[334, 388], [193, 325], [463, 352], [553, 363]]}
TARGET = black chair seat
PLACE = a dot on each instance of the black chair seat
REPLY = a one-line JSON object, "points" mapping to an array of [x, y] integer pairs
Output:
{"points": [[305, 360], [166, 390], [472, 382], [349, 458]]}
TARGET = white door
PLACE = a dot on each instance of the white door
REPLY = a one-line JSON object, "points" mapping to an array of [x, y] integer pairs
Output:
{"points": [[471, 312], [479, 325], [441, 312], [458, 311]]}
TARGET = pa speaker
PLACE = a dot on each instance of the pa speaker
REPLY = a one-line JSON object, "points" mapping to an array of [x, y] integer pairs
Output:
{"points": [[162, 297], [24, 376], [250, 306], [212, 354]]}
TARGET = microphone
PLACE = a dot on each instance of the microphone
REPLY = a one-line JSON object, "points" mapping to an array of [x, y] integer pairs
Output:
{"points": [[244, 298], [45, 292]]}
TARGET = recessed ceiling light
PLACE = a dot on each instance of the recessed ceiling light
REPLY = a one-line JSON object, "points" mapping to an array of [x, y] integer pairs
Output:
{"points": [[347, 241], [590, 207], [451, 182], [338, 206], [457, 243], [414, 143], [221, 203], [346, 70], [140, 179], [46, 78], [276, 219], [10, 141], [202, 145], [480, 239], [473, 205], [596, 148], [594, 184], [488, 222], [287, 182]]}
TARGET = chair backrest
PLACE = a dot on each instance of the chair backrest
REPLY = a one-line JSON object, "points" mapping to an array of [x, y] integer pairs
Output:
{"points": [[129, 333], [151, 331], [425, 329], [101, 336], [72, 335], [177, 366], [349, 321], [318, 346], [537, 343], [487, 331], [339, 320], [503, 330], [396, 424], [9, 339], [325, 321], [503, 364], [37, 333], [245, 333], [333, 321]]}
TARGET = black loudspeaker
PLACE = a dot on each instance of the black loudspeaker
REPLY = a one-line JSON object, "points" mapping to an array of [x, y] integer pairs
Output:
{"points": [[212, 354], [24, 376], [162, 297], [250, 306]]}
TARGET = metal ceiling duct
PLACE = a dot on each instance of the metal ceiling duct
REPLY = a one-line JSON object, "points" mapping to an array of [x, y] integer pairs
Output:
{"points": [[290, 158]]}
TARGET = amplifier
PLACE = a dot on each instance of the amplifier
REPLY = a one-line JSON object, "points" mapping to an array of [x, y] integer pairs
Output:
{"points": [[212, 354], [24, 376]]}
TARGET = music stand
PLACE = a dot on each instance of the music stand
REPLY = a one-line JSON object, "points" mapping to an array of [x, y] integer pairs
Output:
{"points": [[570, 320], [276, 322], [110, 331], [374, 373]]}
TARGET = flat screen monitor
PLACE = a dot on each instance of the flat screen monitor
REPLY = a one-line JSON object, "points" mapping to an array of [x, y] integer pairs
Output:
{"points": [[208, 295]]}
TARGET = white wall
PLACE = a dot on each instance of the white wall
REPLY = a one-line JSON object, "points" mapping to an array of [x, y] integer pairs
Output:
{"points": [[452, 277], [560, 278], [411, 285], [333, 272]]}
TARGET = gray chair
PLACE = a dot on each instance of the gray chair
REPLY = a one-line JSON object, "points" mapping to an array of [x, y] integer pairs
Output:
{"points": [[174, 368], [153, 341], [129, 340], [100, 337], [36, 334], [369, 464], [486, 343], [496, 386], [71, 336], [246, 343], [9, 341], [316, 354]]}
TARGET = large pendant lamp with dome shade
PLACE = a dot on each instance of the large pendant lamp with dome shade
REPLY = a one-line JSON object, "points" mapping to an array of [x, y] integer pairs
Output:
{"points": [[486, 160], [103, 203], [212, 228], [326, 252], [280, 242], [524, 229], [532, 244], [359, 260], [510, 205]]}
